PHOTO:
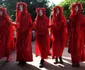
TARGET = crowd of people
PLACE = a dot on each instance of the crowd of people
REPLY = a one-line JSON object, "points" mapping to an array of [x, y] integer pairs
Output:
{"points": [[55, 27]]}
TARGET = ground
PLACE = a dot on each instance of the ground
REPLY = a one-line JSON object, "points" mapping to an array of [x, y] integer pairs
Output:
{"points": [[13, 65]]}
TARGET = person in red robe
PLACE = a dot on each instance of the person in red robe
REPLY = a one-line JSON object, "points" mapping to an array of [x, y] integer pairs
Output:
{"points": [[58, 31], [24, 33], [6, 34], [76, 44], [42, 35]]}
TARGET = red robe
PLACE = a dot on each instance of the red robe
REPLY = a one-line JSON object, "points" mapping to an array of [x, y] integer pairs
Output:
{"points": [[84, 36], [76, 44], [42, 36], [12, 45], [58, 32], [6, 36], [24, 35]]}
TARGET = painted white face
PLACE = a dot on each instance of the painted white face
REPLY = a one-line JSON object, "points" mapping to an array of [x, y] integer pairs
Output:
{"points": [[21, 8], [76, 8], [57, 11], [40, 13], [1, 13]]}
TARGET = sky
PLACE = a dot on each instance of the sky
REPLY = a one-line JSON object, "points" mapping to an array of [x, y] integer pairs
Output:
{"points": [[55, 1]]}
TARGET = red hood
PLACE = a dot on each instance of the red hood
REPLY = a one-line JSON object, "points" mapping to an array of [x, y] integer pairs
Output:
{"points": [[73, 7], [17, 9]]}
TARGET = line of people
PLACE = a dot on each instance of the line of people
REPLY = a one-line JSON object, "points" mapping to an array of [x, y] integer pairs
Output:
{"points": [[56, 26]]}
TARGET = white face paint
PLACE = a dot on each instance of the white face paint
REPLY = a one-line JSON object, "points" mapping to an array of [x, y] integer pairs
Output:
{"points": [[1, 13], [40, 13], [76, 8], [21, 8], [57, 11]]}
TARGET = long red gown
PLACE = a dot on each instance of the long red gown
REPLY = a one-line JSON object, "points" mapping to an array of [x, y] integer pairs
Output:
{"points": [[24, 35], [58, 32], [42, 35], [6, 34], [76, 44]]}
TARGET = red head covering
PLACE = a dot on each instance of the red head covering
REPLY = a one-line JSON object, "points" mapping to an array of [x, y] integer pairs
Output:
{"points": [[44, 17], [4, 15], [21, 3], [60, 16], [60, 9], [73, 8], [41, 20], [3, 10], [38, 9], [77, 15], [18, 11]]}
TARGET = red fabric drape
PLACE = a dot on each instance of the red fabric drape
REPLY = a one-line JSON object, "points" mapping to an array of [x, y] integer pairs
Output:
{"points": [[24, 34], [6, 34], [42, 34], [58, 32], [76, 44]]}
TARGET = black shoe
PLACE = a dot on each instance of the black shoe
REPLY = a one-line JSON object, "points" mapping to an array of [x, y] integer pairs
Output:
{"points": [[61, 61], [41, 63], [56, 61], [73, 65], [22, 63], [77, 65]]}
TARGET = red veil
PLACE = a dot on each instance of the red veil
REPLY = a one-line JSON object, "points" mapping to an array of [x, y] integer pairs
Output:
{"points": [[18, 11], [77, 23], [42, 34], [58, 31], [24, 34], [6, 34]]}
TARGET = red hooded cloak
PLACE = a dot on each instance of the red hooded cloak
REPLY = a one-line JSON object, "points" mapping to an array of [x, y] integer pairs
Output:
{"points": [[76, 44], [58, 32], [42, 34], [6, 34], [24, 33]]}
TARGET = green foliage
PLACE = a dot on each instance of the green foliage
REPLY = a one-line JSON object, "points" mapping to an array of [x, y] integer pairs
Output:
{"points": [[66, 5], [32, 5], [66, 10]]}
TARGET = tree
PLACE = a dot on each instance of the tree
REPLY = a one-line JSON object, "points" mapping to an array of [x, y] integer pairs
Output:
{"points": [[11, 6], [66, 5], [32, 5]]}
